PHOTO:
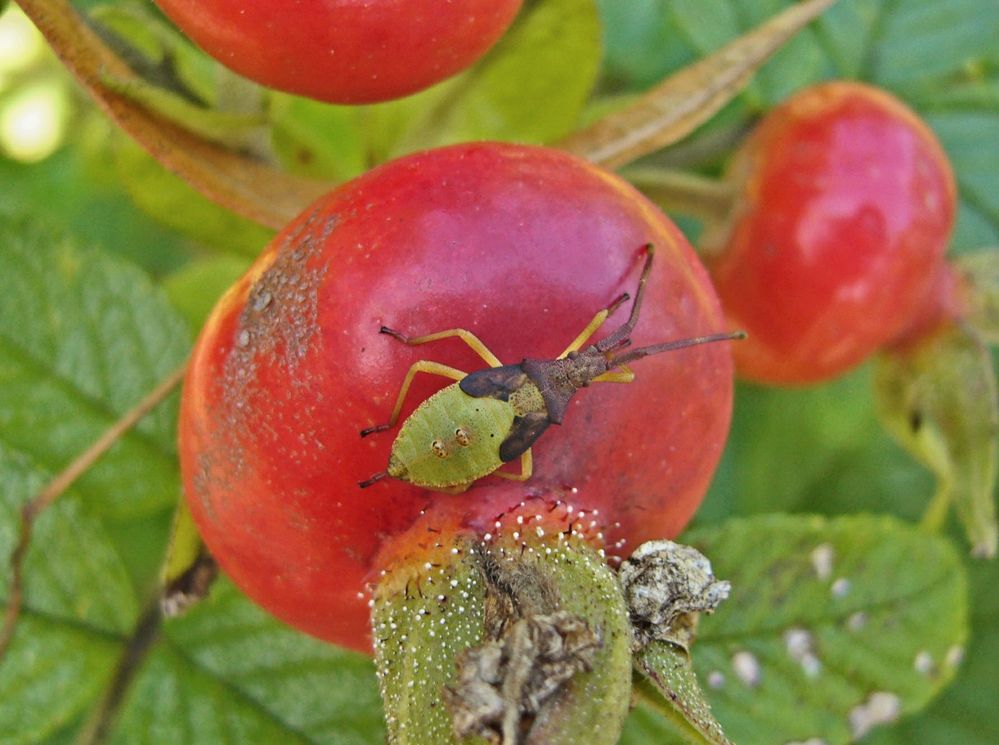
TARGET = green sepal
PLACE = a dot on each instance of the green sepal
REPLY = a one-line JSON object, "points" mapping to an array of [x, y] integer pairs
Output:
{"points": [[430, 620], [670, 687], [188, 570], [180, 83], [236, 130], [979, 271], [155, 50], [938, 399]]}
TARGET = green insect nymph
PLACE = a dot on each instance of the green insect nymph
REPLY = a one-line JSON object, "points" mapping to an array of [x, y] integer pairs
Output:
{"points": [[492, 416]]}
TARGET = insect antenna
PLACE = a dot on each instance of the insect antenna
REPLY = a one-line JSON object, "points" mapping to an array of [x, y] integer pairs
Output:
{"points": [[637, 354]]}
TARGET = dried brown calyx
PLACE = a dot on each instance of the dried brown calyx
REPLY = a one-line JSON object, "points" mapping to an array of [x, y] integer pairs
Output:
{"points": [[667, 586]]}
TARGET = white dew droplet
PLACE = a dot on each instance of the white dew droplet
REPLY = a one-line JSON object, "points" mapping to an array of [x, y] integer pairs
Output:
{"points": [[923, 663], [822, 560], [747, 668], [716, 679], [881, 707], [856, 621], [800, 645], [797, 642], [840, 588], [954, 656]]}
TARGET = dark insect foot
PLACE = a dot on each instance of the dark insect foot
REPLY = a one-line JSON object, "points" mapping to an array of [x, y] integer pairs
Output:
{"points": [[377, 477], [624, 297], [392, 333], [376, 428]]}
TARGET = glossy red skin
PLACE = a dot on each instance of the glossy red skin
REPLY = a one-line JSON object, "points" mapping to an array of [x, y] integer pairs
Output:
{"points": [[520, 245], [845, 203], [344, 51]]}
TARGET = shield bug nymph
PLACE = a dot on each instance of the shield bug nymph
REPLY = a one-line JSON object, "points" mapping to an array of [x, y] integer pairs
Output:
{"points": [[492, 416]]}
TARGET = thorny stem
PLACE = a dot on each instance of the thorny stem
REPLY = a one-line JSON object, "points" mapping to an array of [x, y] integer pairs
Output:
{"points": [[680, 191], [47, 496]]}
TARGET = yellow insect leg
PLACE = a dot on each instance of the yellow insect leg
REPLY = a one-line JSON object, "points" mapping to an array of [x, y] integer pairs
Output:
{"points": [[424, 366], [622, 375], [526, 468], [466, 336], [592, 326]]}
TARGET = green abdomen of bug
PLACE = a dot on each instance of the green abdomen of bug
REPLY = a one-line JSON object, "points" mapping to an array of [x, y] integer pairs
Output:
{"points": [[451, 440]]}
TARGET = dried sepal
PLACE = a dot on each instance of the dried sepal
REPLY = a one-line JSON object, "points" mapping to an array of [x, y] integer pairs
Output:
{"points": [[666, 585], [503, 683]]}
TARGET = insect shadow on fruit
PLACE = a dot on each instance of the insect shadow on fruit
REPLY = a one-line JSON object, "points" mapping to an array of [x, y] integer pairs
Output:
{"points": [[492, 416]]}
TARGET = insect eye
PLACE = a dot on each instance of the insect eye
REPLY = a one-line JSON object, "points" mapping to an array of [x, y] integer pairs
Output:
{"points": [[461, 436], [439, 448]]}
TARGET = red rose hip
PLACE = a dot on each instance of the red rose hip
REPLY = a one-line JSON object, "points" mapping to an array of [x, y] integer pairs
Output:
{"points": [[843, 208], [344, 51], [519, 245]]}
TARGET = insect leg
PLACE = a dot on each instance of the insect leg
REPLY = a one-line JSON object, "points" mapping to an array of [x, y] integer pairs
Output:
{"points": [[526, 468], [466, 336], [425, 366], [592, 326], [622, 375]]}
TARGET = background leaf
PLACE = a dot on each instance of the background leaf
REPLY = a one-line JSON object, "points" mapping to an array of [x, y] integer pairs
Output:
{"points": [[823, 615], [965, 712], [82, 339], [229, 672], [78, 602]]}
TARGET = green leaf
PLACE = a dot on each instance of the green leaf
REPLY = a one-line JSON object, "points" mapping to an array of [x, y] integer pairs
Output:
{"points": [[966, 712], [318, 139], [174, 203], [938, 398], [227, 672], [786, 446], [832, 625], [196, 288], [963, 130], [531, 87], [82, 339], [78, 600]]}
